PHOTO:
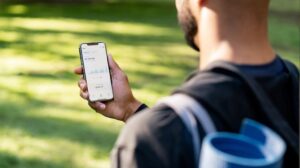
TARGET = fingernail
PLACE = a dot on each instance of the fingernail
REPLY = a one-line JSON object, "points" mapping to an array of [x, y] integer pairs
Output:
{"points": [[102, 106]]}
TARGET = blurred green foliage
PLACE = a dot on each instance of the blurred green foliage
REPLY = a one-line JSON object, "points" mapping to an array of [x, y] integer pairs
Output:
{"points": [[43, 121]]}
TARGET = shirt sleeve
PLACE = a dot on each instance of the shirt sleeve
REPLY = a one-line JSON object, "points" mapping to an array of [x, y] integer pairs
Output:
{"points": [[153, 138], [141, 108]]}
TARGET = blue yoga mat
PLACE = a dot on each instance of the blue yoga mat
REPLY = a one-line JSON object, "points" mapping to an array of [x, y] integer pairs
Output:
{"points": [[256, 146]]}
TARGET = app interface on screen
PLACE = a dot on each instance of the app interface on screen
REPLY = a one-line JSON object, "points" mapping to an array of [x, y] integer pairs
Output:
{"points": [[97, 71]]}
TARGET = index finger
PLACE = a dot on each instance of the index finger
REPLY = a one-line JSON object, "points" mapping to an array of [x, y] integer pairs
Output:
{"points": [[78, 70]]}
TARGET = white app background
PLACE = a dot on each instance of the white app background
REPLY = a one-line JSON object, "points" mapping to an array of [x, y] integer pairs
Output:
{"points": [[97, 71]]}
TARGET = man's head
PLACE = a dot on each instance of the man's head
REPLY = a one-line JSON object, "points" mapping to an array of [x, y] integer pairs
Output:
{"points": [[232, 13]]}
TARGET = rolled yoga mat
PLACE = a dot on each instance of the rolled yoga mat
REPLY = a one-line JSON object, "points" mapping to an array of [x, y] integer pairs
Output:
{"points": [[256, 146]]}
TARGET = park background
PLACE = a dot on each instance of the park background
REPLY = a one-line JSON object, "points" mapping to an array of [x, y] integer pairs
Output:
{"points": [[43, 121]]}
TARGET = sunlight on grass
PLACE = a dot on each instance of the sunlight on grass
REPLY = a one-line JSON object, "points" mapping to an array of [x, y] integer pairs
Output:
{"points": [[17, 9], [9, 36], [57, 151], [71, 25], [14, 64], [49, 123]]}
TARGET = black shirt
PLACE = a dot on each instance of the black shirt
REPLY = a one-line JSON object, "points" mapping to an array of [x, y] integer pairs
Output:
{"points": [[157, 138]]}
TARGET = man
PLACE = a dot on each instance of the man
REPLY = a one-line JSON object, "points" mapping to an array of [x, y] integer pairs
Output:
{"points": [[231, 31]]}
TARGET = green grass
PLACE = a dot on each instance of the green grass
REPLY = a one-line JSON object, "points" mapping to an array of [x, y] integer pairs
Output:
{"points": [[43, 121]]}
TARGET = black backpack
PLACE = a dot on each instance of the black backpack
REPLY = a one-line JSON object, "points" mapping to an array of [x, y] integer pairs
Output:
{"points": [[223, 77]]}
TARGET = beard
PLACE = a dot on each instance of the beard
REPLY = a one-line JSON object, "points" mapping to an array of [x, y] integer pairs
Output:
{"points": [[189, 26]]}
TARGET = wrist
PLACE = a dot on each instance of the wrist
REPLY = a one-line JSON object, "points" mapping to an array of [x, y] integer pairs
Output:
{"points": [[132, 107]]}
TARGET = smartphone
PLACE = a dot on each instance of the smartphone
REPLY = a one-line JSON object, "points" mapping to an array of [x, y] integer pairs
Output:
{"points": [[94, 61]]}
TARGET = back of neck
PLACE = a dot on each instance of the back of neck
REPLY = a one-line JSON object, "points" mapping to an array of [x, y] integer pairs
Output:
{"points": [[241, 41]]}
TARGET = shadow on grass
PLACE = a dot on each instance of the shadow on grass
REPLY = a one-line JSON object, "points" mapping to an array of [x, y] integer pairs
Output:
{"points": [[61, 75], [14, 116], [132, 40], [24, 45], [99, 138], [30, 102], [126, 12], [291, 17], [13, 161]]}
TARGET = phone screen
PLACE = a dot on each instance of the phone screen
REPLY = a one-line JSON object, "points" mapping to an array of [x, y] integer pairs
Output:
{"points": [[96, 70]]}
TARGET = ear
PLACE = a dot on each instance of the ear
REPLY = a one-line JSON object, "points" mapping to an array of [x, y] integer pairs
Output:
{"points": [[202, 2], [179, 3], [197, 3], [195, 7]]}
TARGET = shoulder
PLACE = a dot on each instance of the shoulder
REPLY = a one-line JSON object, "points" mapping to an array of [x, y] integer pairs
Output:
{"points": [[206, 86], [209, 80], [155, 136], [157, 121]]}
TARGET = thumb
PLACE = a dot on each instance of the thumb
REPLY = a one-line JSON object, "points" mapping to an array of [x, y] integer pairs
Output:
{"points": [[112, 63]]}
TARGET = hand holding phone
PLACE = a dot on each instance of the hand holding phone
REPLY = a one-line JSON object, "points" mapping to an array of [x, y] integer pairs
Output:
{"points": [[94, 60], [123, 104]]}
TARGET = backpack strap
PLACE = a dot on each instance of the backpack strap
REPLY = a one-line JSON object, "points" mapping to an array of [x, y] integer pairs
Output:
{"points": [[267, 107], [294, 72], [189, 111]]}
